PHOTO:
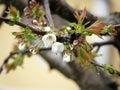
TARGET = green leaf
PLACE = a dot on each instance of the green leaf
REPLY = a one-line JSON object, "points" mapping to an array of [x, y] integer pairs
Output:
{"points": [[106, 29], [14, 14], [109, 69], [28, 34], [11, 22], [12, 11], [17, 61], [27, 31], [14, 33], [36, 12], [30, 37], [73, 56], [79, 28]]}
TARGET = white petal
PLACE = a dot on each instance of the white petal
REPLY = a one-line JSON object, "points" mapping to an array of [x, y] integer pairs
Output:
{"points": [[47, 29], [68, 28], [66, 58], [48, 40], [57, 47], [21, 46]]}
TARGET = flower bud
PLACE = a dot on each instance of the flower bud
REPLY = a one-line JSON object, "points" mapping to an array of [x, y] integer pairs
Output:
{"points": [[21, 46], [68, 28], [33, 51], [47, 29], [75, 42], [35, 22]]}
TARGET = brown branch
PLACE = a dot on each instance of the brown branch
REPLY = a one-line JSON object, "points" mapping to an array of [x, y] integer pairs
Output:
{"points": [[48, 12], [117, 26], [34, 30], [100, 44], [74, 71], [98, 65], [10, 56], [16, 52], [63, 9]]}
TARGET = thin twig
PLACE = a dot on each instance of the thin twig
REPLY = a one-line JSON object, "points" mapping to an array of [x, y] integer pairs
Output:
{"points": [[11, 55], [96, 64], [99, 44], [24, 26], [117, 26], [16, 52]]}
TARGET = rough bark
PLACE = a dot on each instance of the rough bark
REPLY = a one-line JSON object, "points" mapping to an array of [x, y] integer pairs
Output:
{"points": [[86, 80]]}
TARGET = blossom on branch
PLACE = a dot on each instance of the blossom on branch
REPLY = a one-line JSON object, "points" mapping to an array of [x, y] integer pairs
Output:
{"points": [[48, 40], [57, 47], [47, 29], [22, 46], [66, 57]]}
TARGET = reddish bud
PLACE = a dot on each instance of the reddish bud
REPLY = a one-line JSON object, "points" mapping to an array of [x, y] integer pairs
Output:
{"points": [[75, 42]]}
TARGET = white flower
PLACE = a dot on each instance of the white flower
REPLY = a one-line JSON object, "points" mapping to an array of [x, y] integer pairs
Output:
{"points": [[47, 29], [57, 47], [66, 57], [68, 28], [48, 40], [21, 46]]}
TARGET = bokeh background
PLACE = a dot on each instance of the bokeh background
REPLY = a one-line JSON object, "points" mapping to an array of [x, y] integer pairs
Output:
{"points": [[35, 73]]}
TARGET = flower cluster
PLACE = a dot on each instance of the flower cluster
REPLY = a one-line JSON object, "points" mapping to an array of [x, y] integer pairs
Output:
{"points": [[75, 45], [70, 41], [49, 40], [34, 10]]}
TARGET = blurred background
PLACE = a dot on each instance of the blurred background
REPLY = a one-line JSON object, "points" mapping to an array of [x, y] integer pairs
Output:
{"points": [[35, 73]]}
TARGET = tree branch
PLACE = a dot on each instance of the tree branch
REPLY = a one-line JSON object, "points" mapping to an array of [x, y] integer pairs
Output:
{"points": [[10, 56], [48, 12], [96, 64], [17, 52], [117, 26], [83, 78], [63, 9], [99, 44], [34, 30]]}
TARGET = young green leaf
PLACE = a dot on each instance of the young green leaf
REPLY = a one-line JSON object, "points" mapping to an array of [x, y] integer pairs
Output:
{"points": [[30, 37], [14, 15], [106, 29]]}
